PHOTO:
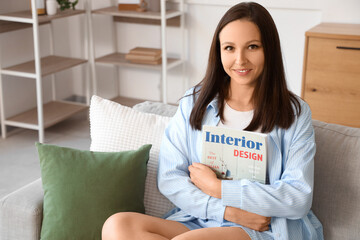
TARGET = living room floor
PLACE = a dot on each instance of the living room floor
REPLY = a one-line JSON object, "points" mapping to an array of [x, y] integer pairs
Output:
{"points": [[19, 163]]}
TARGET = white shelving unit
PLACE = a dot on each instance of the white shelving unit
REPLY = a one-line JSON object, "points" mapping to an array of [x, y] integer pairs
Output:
{"points": [[48, 114], [162, 18]]}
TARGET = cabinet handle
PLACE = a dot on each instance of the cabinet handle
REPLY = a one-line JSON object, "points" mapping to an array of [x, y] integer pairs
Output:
{"points": [[348, 48]]}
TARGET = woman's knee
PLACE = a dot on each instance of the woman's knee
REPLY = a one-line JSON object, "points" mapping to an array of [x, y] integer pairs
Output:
{"points": [[118, 224]]}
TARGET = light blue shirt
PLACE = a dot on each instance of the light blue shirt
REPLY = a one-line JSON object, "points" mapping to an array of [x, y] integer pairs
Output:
{"points": [[287, 199]]}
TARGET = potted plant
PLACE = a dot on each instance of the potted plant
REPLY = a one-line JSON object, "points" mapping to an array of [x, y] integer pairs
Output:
{"points": [[67, 4]]}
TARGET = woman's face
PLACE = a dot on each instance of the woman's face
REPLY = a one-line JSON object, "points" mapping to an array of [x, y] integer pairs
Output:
{"points": [[242, 54]]}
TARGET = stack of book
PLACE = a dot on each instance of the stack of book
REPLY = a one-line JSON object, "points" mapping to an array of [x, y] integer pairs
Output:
{"points": [[144, 55]]}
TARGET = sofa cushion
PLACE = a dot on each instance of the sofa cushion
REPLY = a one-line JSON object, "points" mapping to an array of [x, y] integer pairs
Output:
{"points": [[156, 108], [114, 127], [82, 189], [336, 190]]}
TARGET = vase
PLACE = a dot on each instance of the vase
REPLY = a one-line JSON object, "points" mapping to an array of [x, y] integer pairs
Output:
{"points": [[51, 7]]}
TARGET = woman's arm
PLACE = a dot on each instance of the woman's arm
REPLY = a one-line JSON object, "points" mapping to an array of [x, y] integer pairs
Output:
{"points": [[173, 174], [174, 181], [247, 219], [291, 195], [205, 179]]}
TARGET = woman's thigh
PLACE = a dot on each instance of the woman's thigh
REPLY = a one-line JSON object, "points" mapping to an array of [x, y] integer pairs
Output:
{"points": [[216, 233], [129, 225]]}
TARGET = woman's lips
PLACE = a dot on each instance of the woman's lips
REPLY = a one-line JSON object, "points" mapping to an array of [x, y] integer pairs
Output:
{"points": [[242, 72]]}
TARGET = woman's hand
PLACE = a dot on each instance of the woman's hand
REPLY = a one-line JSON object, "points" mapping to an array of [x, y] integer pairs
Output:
{"points": [[205, 179], [247, 219]]}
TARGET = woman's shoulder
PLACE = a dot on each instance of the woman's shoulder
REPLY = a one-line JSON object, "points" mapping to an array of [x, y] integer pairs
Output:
{"points": [[193, 91], [302, 115], [300, 129], [186, 102], [303, 108], [303, 120], [189, 97]]}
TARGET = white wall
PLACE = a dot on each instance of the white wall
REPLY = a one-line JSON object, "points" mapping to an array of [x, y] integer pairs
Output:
{"points": [[293, 18]]}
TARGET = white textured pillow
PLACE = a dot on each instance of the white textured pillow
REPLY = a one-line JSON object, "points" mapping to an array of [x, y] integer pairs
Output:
{"points": [[114, 127]]}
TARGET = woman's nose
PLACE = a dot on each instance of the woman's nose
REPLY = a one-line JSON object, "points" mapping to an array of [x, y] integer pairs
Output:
{"points": [[241, 58]]}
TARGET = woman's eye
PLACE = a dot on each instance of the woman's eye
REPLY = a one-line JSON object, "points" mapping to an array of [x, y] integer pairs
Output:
{"points": [[253, 46], [228, 48]]}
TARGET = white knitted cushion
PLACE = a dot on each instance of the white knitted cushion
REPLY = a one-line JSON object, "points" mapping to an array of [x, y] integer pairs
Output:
{"points": [[114, 127]]}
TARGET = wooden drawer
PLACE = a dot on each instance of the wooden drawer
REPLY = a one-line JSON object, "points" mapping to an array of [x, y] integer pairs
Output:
{"points": [[333, 55], [331, 84]]}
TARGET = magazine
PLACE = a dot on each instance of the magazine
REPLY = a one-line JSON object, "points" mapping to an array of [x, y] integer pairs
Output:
{"points": [[235, 154]]}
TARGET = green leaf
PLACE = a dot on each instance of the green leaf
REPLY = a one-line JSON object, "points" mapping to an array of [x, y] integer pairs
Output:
{"points": [[66, 4]]}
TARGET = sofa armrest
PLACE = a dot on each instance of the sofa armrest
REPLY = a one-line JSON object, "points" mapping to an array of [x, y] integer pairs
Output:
{"points": [[21, 213]]}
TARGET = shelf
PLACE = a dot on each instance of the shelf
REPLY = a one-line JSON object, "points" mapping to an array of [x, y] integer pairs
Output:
{"points": [[54, 112], [164, 18], [113, 11], [26, 17], [6, 26], [119, 60], [49, 65]]}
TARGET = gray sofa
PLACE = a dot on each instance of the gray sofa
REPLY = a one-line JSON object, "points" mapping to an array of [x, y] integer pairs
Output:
{"points": [[336, 192]]}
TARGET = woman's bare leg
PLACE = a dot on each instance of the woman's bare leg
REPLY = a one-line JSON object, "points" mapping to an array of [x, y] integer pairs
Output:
{"points": [[128, 225], [215, 233]]}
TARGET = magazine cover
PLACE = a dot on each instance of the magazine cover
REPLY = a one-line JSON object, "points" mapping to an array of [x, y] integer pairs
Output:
{"points": [[235, 154]]}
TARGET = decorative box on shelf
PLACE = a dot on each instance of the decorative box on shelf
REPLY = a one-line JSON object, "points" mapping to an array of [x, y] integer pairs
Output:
{"points": [[128, 5]]}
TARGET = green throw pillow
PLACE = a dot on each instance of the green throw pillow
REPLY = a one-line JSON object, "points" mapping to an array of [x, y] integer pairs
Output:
{"points": [[83, 188]]}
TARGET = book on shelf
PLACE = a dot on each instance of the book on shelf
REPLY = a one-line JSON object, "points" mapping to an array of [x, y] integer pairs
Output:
{"points": [[235, 154], [146, 51], [40, 7], [144, 55], [155, 62], [132, 56]]}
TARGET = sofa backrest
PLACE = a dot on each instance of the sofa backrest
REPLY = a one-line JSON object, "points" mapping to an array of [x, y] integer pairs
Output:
{"points": [[336, 199], [162, 109]]}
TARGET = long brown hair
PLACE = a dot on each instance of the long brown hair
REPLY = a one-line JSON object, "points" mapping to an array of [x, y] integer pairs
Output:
{"points": [[272, 100]]}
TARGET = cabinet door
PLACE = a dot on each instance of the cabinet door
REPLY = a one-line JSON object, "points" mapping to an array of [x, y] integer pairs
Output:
{"points": [[332, 80]]}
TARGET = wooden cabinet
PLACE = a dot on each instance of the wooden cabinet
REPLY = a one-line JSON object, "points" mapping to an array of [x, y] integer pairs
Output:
{"points": [[44, 114], [331, 73]]}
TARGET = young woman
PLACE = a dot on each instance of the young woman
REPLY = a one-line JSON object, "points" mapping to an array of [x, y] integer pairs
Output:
{"points": [[245, 88]]}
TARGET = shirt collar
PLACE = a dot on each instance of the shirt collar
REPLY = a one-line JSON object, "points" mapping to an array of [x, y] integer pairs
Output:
{"points": [[214, 104], [211, 116]]}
